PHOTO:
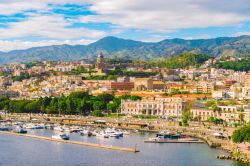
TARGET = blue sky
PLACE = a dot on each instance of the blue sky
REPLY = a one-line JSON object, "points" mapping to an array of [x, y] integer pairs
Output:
{"points": [[25, 24]]}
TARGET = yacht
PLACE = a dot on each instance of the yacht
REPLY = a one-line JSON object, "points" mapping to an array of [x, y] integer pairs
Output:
{"points": [[163, 134], [112, 133], [61, 136]]}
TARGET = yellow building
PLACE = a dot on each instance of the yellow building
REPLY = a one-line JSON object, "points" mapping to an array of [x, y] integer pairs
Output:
{"points": [[247, 79], [142, 84]]}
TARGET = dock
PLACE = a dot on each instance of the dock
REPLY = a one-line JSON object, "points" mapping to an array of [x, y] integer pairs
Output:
{"points": [[117, 148], [172, 141]]}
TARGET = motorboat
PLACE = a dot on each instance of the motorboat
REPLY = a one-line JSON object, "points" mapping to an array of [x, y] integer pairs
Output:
{"points": [[61, 136], [75, 129], [48, 126], [125, 132], [59, 128], [33, 126], [164, 134], [155, 139], [86, 132], [5, 128], [112, 133], [20, 130], [102, 135]]}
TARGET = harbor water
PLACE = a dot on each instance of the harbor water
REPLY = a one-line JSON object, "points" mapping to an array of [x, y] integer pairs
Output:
{"points": [[21, 151]]}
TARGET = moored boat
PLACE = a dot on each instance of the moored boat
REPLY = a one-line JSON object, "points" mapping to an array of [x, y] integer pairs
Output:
{"points": [[20, 130], [61, 136]]}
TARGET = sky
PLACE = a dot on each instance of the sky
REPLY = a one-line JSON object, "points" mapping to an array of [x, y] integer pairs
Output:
{"points": [[32, 23]]}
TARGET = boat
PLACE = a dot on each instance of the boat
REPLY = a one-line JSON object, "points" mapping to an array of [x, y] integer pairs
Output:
{"points": [[102, 135], [5, 128], [125, 132], [48, 126], [94, 133], [33, 126], [59, 128], [164, 134], [61, 136], [75, 129], [155, 139], [86, 132], [113, 133], [20, 130]]}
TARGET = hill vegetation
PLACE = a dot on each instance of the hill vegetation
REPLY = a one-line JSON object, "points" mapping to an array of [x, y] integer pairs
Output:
{"points": [[129, 49], [243, 65], [181, 61]]}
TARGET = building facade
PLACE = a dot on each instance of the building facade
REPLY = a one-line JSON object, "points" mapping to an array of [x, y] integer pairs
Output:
{"points": [[174, 107]]}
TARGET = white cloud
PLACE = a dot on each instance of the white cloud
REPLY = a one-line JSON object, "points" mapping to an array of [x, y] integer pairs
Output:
{"points": [[47, 26], [164, 16], [8, 7], [169, 15], [6, 45], [242, 33]]}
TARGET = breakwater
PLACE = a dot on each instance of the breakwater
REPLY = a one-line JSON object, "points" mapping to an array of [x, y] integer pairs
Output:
{"points": [[73, 142]]}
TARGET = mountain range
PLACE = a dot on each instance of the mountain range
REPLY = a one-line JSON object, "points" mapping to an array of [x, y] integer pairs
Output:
{"points": [[122, 48]]}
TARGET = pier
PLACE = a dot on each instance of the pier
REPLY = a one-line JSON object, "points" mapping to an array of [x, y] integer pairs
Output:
{"points": [[73, 142], [172, 141]]}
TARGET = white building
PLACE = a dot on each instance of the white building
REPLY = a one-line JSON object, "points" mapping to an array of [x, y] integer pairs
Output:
{"points": [[158, 106]]}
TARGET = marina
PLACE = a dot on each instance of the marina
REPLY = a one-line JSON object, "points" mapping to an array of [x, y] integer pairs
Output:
{"points": [[72, 142], [59, 152]]}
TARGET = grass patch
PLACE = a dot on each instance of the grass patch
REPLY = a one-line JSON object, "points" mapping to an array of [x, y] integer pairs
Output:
{"points": [[114, 115]]}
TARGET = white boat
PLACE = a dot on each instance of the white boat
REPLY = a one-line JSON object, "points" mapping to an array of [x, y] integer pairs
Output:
{"points": [[125, 132], [33, 126], [48, 126], [94, 133], [75, 129], [86, 132], [59, 128], [5, 128], [155, 139], [61, 136], [112, 133], [102, 135]]}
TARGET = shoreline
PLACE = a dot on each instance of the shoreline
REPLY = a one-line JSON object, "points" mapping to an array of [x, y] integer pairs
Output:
{"points": [[131, 124]]}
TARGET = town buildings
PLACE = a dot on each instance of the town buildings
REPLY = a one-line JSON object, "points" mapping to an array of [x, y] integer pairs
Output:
{"points": [[168, 107]]}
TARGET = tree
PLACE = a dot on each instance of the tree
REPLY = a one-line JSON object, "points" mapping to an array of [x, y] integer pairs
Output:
{"points": [[32, 107], [105, 97], [242, 134], [99, 105], [215, 107], [241, 117], [113, 107], [185, 118]]}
